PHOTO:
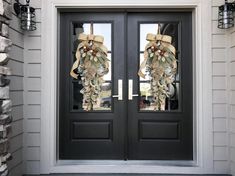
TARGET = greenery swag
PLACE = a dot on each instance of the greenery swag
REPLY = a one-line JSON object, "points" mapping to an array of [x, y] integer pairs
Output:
{"points": [[91, 65], [161, 65]]}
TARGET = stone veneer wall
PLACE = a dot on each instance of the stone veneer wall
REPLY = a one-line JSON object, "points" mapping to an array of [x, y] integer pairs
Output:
{"points": [[5, 102]]}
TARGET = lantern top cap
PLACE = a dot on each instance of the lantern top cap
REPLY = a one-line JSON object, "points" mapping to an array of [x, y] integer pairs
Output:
{"points": [[227, 6]]}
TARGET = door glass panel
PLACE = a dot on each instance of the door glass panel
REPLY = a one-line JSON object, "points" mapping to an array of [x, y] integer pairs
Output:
{"points": [[103, 29], [104, 102], [146, 99], [144, 30]]}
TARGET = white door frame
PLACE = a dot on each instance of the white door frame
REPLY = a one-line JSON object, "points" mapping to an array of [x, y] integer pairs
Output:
{"points": [[202, 85]]}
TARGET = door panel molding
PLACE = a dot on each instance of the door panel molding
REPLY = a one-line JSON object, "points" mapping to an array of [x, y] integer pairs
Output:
{"points": [[159, 126], [85, 130], [203, 93]]}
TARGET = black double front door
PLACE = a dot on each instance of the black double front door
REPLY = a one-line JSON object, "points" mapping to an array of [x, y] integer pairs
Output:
{"points": [[123, 124]]}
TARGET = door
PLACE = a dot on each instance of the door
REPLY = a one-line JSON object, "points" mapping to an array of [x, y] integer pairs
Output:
{"points": [[168, 134], [125, 128], [98, 134]]}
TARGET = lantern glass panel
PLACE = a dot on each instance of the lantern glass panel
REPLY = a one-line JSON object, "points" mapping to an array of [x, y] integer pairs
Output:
{"points": [[28, 18], [225, 18]]}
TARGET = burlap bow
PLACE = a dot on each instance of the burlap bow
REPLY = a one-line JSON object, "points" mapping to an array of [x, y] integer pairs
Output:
{"points": [[85, 39], [152, 38]]}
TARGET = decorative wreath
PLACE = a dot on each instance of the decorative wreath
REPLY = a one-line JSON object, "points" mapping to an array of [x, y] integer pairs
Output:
{"points": [[91, 65], [161, 66]]}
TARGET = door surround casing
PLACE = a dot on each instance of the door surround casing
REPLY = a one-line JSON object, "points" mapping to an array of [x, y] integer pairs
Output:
{"points": [[203, 142]]}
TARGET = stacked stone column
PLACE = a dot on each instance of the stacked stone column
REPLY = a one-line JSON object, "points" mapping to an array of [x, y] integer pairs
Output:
{"points": [[5, 102]]}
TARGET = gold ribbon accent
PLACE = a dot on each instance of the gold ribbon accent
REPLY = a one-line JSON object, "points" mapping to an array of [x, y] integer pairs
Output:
{"points": [[85, 39], [152, 38]]}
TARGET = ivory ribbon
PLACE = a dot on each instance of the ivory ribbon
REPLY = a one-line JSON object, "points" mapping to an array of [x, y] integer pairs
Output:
{"points": [[84, 38], [152, 38]]}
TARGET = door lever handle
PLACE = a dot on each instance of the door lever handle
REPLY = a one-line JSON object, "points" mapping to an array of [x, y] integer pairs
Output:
{"points": [[119, 96], [130, 90]]}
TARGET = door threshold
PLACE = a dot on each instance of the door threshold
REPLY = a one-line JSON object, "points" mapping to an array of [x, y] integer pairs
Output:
{"points": [[179, 163], [105, 174]]}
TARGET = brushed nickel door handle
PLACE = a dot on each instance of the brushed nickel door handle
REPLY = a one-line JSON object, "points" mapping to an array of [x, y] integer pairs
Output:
{"points": [[120, 94], [130, 90]]}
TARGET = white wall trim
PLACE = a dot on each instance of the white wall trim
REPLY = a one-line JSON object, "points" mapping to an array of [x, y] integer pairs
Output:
{"points": [[203, 88]]}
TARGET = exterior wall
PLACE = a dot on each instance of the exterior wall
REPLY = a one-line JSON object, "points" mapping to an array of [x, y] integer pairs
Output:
{"points": [[219, 95], [224, 93], [16, 63], [32, 87], [231, 101]]}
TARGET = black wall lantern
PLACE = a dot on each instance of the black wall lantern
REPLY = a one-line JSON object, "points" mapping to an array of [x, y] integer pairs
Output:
{"points": [[26, 14], [226, 18]]}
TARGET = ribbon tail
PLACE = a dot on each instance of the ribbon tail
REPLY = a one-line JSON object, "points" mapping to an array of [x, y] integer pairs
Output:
{"points": [[143, 65], [104, 48], [169, 47], [140, 73], [172, 49], [75, 66]]}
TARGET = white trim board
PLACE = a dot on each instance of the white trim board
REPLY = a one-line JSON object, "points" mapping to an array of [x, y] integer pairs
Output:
{"points": [[202, 86]]}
